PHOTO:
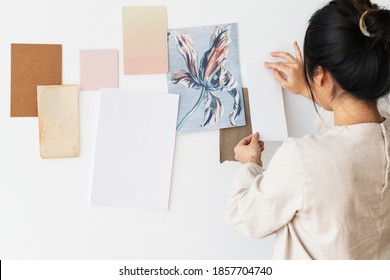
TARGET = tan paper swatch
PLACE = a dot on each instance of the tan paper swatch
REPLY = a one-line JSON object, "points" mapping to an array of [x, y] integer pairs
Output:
{"points": [[32, 65], [58, 114], [145, 43], [229, 137]]}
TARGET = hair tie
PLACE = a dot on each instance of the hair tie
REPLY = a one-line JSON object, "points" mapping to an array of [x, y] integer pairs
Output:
{"points": [[363, 26]]}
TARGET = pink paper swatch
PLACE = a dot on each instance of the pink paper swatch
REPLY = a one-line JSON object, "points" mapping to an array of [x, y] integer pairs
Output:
{"points": [[98, 68], [145, 40]]}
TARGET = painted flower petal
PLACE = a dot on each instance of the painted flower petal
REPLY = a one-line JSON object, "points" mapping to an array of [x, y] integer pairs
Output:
{"points": [[213, 109], [230, 84], [186, 48], [213, 60], [228, 81], [185, 78], [237, 106], [217, 81]]}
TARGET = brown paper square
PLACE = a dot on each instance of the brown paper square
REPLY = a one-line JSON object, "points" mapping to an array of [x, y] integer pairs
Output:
{"points": [[32, 65], [229, 137]]}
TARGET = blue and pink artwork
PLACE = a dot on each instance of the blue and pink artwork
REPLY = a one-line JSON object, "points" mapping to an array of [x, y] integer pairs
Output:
{"points": [[210, 87]]}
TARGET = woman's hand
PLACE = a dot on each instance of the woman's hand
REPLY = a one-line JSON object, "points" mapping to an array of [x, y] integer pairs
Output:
{"points": [[249, 149], [290, 73]]}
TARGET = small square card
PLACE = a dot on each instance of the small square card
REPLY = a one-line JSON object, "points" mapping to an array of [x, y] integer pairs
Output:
{"points": [[98, 68]]}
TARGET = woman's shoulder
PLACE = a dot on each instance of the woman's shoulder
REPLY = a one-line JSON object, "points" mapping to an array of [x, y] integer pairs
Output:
{"points": [[309, 141], [340, 140], [316, 144]]}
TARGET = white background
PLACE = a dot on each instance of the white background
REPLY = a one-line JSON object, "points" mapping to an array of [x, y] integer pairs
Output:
{"points": [[44, 204]]}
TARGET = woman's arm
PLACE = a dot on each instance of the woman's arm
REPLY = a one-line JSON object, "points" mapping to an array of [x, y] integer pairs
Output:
{"points": [[261, 202]]}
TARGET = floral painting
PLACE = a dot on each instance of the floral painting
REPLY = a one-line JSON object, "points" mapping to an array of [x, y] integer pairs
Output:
{"points": [[204, 68]]}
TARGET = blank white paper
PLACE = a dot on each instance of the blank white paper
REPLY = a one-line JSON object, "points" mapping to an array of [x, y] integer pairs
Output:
{"points": [[134, 149], [266, 103]]}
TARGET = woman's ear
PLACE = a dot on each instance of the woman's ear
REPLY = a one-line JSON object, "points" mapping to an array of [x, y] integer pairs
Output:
{"points": [[323, 78], [318, 76], [323, 84]]}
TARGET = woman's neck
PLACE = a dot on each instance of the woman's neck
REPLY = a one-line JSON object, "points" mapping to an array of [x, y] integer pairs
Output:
{"points": [[350, 111]]}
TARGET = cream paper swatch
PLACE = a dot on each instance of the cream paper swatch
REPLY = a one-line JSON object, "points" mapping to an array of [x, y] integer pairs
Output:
{"points": [[58, 115]]}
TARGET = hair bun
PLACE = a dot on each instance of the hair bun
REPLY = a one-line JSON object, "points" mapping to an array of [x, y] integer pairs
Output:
{"points": [[333, 40], [376, 23]]}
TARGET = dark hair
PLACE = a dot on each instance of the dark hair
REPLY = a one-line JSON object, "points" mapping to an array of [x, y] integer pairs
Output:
{"points": [[359, 64]]}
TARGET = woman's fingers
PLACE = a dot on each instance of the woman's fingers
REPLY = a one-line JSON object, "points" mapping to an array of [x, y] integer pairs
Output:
{"points": [[284, 55], [280, 79], [261, 143], [298, 52], [280, 66], [249, 149], [287, 56], [255, 137], [289, 73], [262, 149], [246, 140]]}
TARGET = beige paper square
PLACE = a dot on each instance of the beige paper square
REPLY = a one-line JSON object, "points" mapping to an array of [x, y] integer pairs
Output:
{"points": [[58, 115]]}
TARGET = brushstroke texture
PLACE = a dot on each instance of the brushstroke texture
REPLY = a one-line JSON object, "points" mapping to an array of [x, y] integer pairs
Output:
{"points": [[208, 77]]}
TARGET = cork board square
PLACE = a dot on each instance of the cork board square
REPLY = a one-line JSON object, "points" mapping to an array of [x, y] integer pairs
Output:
{"points": [[32, 65]]}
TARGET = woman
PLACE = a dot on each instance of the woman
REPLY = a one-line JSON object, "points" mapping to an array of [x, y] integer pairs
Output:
{"points": [[326, 196]]}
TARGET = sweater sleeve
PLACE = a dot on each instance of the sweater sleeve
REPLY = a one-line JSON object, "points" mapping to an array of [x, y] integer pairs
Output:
{"points": [[261, 202]]}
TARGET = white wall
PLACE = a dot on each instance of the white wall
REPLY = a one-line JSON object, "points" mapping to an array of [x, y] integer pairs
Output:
{"points": [[44, 204]]}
